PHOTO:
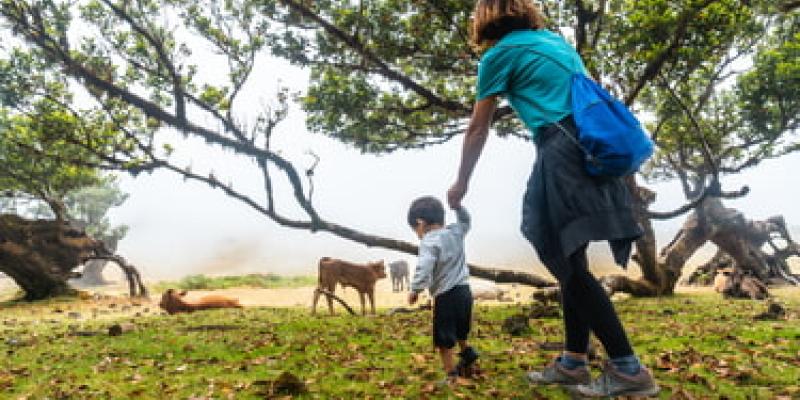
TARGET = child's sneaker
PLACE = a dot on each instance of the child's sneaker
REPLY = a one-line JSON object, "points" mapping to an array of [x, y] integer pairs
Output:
{"points": [[467, 357], [450, 380]]}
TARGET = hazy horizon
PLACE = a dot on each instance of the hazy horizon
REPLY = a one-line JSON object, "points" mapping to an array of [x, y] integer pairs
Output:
{"points": [[178, 228]]}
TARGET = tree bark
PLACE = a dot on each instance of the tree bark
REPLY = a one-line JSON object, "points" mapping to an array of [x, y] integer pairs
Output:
{"points": [[41, 255], [509, 276]]}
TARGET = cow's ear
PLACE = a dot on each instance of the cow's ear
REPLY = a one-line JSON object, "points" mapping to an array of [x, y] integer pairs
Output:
{"points": [[183, 293]]}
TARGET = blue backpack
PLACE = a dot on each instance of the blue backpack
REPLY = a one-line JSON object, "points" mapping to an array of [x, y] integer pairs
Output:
{"points": [[609, 135]]}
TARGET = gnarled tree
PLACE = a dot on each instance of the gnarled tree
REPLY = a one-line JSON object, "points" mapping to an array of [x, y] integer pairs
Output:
{"points": [[40, 246], [709, 126]]}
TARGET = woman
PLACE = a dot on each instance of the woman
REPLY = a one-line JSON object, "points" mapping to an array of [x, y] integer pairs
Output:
{"points": [[564, 208]]}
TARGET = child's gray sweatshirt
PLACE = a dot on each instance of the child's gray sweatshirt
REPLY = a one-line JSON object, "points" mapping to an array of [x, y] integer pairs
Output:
{"points": [[441, 263]]}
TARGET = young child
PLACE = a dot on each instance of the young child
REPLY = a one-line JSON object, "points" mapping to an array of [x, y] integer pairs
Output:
{"points": [[442, 269]]}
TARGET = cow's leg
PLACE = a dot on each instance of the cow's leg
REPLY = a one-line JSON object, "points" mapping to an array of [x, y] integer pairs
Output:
{"points": [[371, 295], [314, 304], [363, 306], [330, 300]]}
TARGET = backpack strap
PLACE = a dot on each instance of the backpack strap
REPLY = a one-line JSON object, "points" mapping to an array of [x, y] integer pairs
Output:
{"points": [[589, 157]]}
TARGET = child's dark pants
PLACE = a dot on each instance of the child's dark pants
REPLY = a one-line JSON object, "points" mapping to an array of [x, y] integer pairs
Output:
{"points": [[452, 316]]}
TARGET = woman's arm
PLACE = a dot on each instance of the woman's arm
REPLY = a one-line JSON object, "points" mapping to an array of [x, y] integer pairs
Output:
{"points": [[475, 138]]}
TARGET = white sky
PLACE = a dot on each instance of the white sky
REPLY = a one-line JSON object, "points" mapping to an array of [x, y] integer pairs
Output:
{"points": [[177, 227]]}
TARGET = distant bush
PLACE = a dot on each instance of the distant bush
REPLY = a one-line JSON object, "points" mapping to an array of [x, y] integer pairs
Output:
{"points": [[265, 281]]}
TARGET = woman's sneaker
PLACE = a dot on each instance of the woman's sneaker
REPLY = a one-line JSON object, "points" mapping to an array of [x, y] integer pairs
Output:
{"points": [[614, 383], [467, 357], [555, 373]]}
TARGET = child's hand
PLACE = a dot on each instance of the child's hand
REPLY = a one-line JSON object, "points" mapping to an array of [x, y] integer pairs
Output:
{"points": [[412, 297]]}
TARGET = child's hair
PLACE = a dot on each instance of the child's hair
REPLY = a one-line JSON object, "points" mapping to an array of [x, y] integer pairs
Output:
{"points": [[428, 209]]}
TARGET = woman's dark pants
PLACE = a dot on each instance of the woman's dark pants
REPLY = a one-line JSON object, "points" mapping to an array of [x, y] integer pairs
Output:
{"points": [[587, 309]]}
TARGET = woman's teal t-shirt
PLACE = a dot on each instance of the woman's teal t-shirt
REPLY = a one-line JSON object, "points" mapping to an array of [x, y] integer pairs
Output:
{"points": [[537, 88]]}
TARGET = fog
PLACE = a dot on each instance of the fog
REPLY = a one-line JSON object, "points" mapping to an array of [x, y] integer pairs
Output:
{"points": [[179, 228]]}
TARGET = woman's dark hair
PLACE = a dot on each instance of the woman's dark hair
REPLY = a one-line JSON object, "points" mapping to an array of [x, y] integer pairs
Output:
{"points": [[428, 209], [498, 28]]}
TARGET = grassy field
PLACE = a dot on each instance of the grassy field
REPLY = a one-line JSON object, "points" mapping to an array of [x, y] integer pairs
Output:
{"points": [[262, 281], [698, 345]]}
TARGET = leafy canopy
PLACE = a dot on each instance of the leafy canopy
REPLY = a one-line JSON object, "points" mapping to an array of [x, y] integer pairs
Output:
{"points": [[396, 74]]}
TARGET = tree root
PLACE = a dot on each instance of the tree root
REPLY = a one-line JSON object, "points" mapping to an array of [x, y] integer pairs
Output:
{"points": [[136, 287], [335, 297], [637, 288]]}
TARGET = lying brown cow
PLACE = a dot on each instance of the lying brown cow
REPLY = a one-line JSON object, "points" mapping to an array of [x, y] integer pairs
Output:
{"points": [[360, 277], [733, 283], [174, 302]]}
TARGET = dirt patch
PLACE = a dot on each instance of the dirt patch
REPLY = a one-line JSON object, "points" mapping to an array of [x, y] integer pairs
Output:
{"points": [[113, 301], [302, 296]]}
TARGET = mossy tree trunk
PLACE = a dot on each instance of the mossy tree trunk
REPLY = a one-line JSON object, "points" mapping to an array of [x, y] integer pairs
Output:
{"points": [[40, 256]]}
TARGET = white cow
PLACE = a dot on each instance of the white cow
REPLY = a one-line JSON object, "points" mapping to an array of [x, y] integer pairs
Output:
{"points": [[398, 271]]}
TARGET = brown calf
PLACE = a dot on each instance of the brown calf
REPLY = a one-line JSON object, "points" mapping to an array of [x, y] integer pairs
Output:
{"points": [[174, 302], [360, 277]]}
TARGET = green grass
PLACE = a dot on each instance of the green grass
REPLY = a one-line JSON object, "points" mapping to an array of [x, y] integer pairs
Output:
{"points": [[699, 346], [265, 281]]}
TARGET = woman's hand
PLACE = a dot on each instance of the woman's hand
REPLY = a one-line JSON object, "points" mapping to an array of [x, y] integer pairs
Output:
{"points": [[456, 194]]}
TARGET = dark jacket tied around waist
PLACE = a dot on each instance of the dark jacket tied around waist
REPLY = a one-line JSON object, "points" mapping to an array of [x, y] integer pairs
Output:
{"points": [[565, 208]]}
